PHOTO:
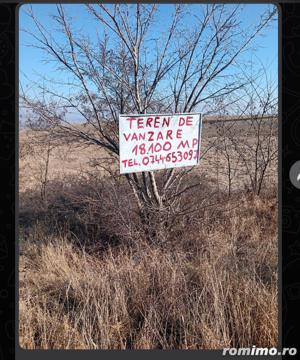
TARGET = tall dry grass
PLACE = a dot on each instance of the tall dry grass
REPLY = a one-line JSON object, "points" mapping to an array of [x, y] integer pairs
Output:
{"points": [[213, 284]]}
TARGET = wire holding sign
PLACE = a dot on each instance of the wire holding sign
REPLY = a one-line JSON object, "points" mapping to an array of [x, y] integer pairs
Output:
{"points": [[155, 141]]}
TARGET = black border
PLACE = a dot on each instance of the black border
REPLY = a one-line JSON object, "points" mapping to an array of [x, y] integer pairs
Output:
{"points": [[290, 154], [7, 161]]}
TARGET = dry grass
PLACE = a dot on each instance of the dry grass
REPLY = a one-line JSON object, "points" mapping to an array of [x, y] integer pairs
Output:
{"points": [[71, 160], [89, 280], [215, 288]]}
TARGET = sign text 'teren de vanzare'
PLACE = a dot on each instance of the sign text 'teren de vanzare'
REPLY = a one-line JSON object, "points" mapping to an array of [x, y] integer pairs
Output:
{"points": [[152, 142]]}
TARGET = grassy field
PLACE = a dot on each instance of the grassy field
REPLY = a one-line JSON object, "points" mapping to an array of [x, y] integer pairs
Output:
{"points": [[90, 280], [71, 160]]}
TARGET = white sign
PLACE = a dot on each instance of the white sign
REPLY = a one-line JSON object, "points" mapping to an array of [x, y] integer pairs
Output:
{"points": [[152, 141]]}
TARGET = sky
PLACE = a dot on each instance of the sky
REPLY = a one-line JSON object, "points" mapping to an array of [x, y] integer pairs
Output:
{"points": [[31, 60]]}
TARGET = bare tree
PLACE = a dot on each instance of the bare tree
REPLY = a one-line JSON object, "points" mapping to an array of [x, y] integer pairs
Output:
{"points": [[259, 149], [41, 143], [130, 69], [247, 140]]}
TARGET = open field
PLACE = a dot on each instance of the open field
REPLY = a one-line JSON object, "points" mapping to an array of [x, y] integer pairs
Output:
{"points": [[90, 280], [70, 159]]}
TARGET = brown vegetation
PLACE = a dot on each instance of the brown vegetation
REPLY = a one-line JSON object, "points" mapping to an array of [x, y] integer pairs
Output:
{"points": [[172, 259], [89, 279]]}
